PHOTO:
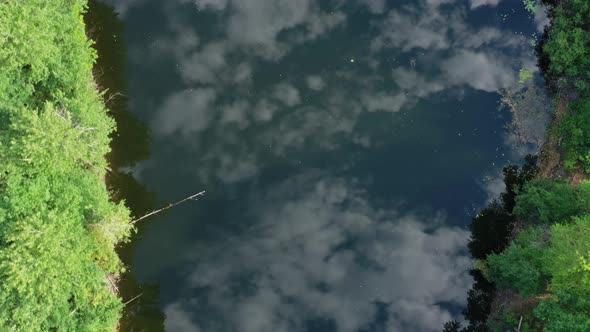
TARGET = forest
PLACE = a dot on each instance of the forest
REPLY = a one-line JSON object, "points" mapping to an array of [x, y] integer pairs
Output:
{"points": [[532, 247], [58, 225]]}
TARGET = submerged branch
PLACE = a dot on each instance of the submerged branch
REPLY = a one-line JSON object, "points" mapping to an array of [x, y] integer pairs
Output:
{"points": [[133, 299], [171, 205]]}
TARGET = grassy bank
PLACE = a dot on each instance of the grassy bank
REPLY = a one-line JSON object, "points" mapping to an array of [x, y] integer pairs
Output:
{"points": [[532, 255], [58, 227]]}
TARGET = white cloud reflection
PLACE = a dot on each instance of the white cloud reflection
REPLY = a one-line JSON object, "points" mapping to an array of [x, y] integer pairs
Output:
{"points": [[315, 82], [320, 251], [445, 52], [478, 3]]}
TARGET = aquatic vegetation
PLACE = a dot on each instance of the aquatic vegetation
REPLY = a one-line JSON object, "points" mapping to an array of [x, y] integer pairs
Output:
{"points": [[531, 5], [531, 113], [524, 75]]}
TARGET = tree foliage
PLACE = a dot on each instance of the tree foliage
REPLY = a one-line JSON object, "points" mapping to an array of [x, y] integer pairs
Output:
{"points": [[568, 258], [452, 326], [559, 255], [575, 131], [491, 227], [490, 232], [508, 320], [546, 201], [515, 178], [567, 43], [549, 262], [567, 310], [520, 266], [58, 227]]}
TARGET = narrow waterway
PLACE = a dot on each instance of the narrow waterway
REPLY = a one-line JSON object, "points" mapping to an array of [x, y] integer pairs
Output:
{"points": [[343, 147]]}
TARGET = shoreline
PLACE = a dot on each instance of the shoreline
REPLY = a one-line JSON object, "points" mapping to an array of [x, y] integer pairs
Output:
{"points": [[129, 145], [528, 250]]}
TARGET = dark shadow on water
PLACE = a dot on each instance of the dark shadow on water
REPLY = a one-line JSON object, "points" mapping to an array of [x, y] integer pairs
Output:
{"points": [[129, 145], [490, 234]]}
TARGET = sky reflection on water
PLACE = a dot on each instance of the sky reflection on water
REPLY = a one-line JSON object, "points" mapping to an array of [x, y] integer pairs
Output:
{"points": [[342, 145]]}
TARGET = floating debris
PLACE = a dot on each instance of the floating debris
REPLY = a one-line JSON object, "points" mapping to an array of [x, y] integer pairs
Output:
{"points": [[531, 113]]}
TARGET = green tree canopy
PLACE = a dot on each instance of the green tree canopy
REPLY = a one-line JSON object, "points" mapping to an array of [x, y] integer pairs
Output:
{"points": [[58, 227], [546, 201], [520, 266], [568, 43], [567, 259], [575, 131], [566, 311]]}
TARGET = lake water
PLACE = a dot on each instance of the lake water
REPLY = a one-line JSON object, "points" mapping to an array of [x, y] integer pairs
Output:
{"points": [[343, 147]]}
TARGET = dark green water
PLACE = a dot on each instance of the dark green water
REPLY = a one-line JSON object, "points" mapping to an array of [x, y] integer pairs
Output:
{"points": [[343, 146]]}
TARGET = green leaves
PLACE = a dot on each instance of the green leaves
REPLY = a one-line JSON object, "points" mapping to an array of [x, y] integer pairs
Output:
{"points": [[549, 261], [559, 256], [568, 257], [520, 266], [575, 131], [524, 75], [58, 227], [567, 311], [531, 5], [547, 201], [568, 44]]}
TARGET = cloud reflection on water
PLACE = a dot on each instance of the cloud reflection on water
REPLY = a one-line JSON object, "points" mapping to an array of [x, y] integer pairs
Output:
{"points": [[320, 251], [223, 103]]}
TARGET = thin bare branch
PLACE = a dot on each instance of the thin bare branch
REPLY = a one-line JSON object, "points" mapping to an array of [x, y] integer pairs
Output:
{"points": [[171, 205], [133, 299], [519, 325], [113, 96]]}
